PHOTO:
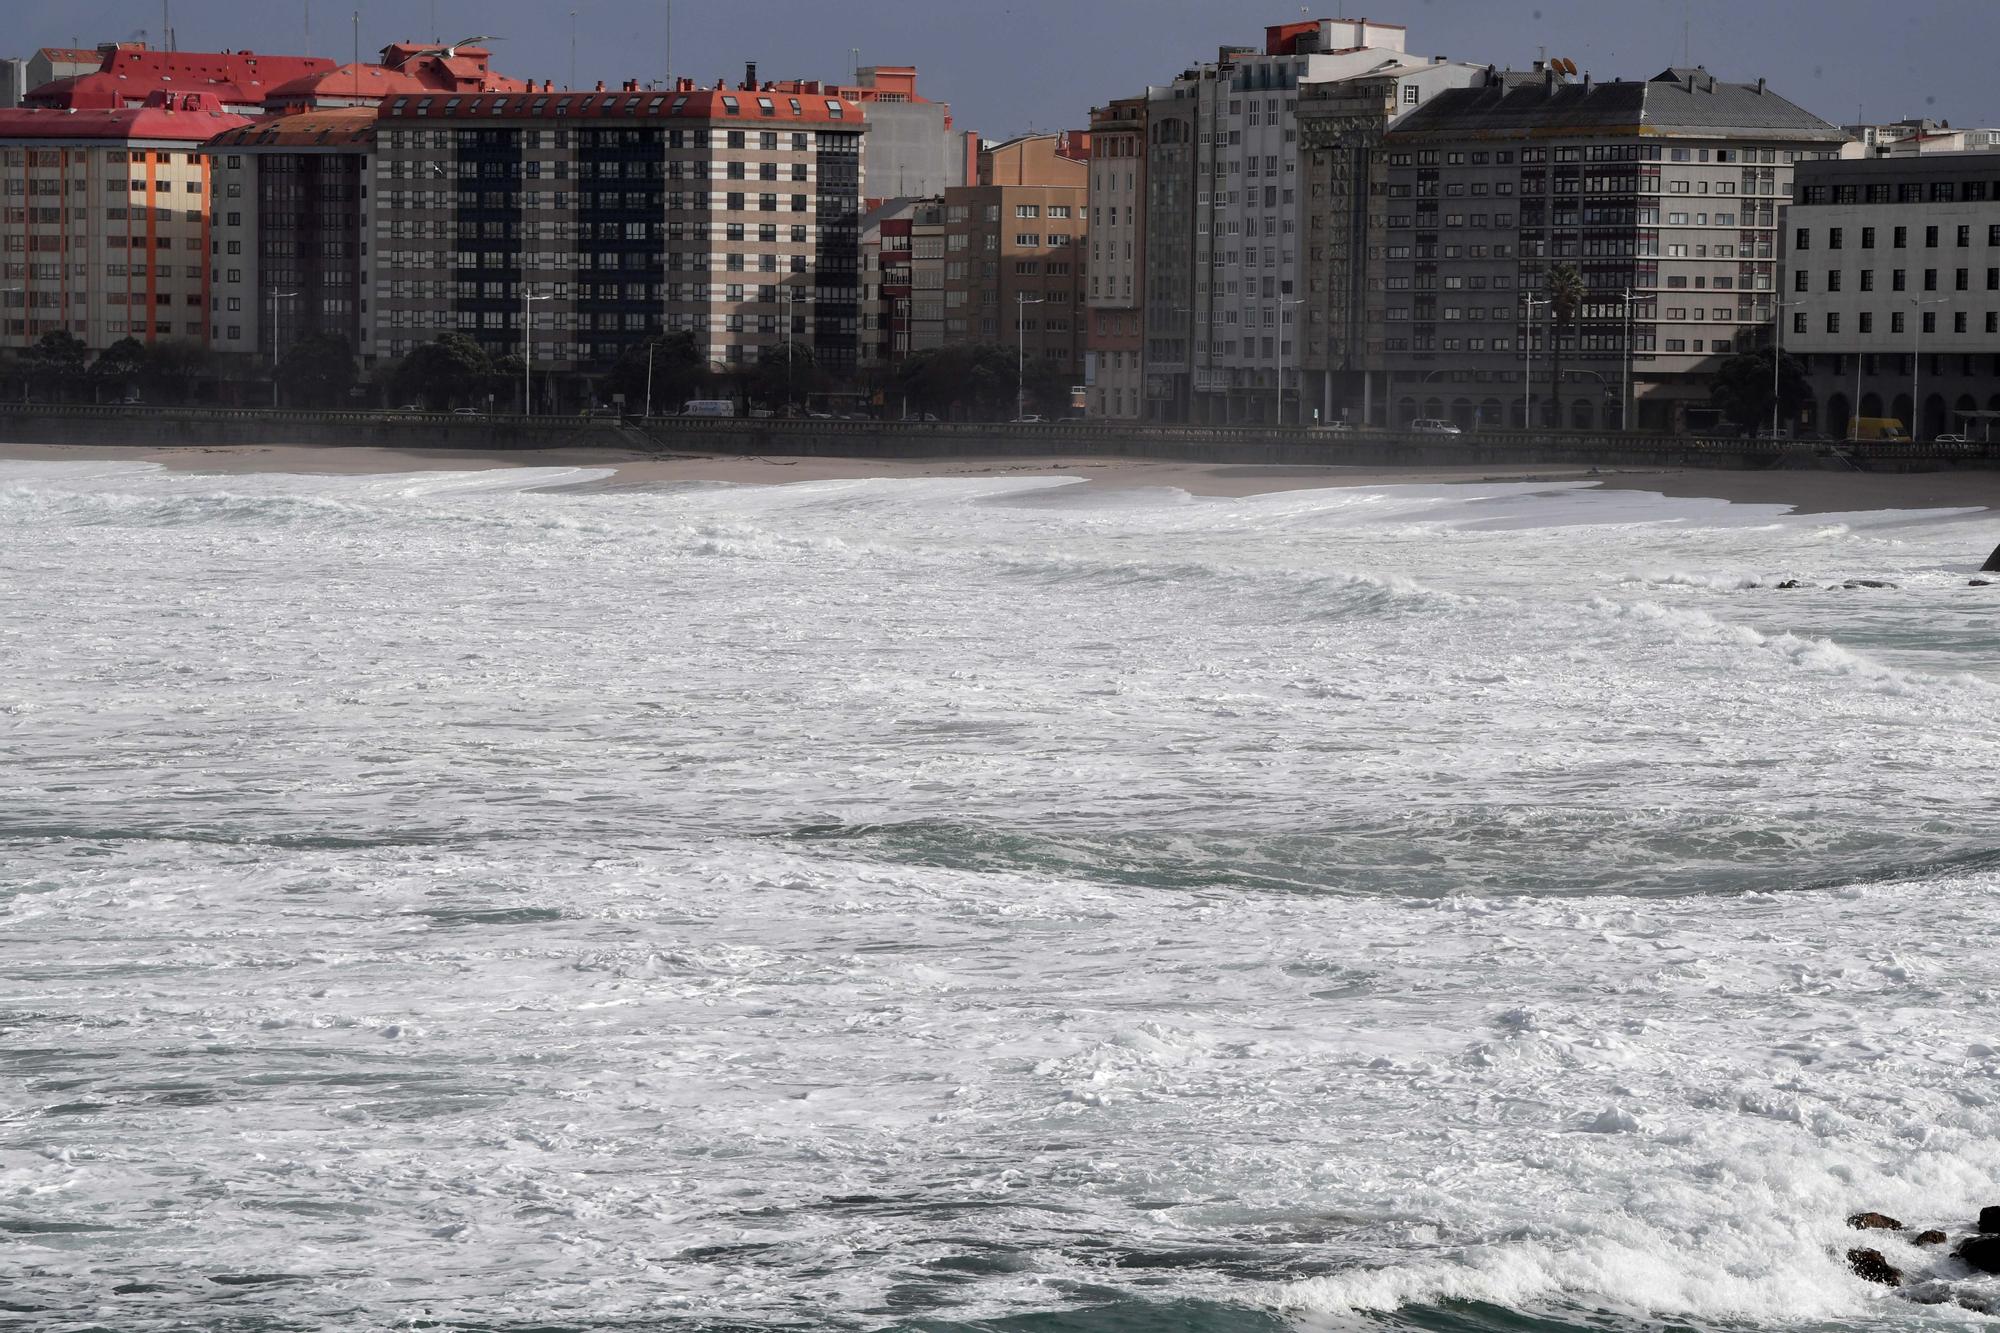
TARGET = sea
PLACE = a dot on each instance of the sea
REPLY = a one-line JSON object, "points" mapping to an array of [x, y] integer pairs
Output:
{"points": [[521, 901]]}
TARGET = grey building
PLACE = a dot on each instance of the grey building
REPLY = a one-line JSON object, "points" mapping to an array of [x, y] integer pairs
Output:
{"points": [[1893, 290], [1666, 195]]}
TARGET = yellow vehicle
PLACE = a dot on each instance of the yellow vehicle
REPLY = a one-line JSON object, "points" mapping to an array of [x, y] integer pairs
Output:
{"points": [[1879, 428]]}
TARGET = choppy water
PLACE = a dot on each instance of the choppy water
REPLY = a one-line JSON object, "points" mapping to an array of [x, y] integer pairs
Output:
{"points": [[434, 901]]}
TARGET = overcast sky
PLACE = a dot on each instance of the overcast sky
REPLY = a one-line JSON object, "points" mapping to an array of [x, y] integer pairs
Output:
{"points": [[1013, 65]]}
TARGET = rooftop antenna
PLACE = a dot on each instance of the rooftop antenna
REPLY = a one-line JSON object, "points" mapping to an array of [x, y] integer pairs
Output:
{"points": [[357, 55], [855, 52], [572, 50], [670, 41]]}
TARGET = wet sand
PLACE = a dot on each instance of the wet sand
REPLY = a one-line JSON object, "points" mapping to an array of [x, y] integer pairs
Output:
{"points": [[1807, 492]]}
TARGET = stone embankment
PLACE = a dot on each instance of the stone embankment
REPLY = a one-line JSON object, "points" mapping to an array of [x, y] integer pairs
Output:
{"points": [[35, 423]]}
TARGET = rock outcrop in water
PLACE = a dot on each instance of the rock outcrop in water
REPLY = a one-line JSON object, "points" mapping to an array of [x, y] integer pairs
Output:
{"points": [[1870, 1266], [1980, 1252], [1932, 1237], [1874, 1222], [1989, 1219], [1992, 565]]}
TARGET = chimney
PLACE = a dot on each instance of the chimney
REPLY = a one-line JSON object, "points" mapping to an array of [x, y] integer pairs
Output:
{"points": [[600, 85], [750, 76], [1586, 83], [1760, 85]]}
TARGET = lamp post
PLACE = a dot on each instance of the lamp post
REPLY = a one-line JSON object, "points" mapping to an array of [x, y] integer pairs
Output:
{"points": [[790, 299], [1528, 385], [276, 351], [528, 347], [1021, 301], [1778, 353], [1917, 361], [1283, 304], [1625, 403]]}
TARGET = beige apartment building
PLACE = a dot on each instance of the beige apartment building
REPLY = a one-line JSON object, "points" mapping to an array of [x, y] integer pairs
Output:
{"points": [[1116, 336], [105, 233]]}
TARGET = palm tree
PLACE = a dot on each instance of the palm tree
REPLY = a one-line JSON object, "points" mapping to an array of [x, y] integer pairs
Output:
{"points": [[1567, 293]]}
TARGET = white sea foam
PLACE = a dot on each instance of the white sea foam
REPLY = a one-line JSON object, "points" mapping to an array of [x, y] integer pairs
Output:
{"points": [[902, 900]]}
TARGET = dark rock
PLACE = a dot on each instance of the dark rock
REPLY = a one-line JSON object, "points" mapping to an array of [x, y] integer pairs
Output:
{"points": [[1867, 583], [1980, 1252], [1874, 1222], [1979, 583], [1870, 1266], [1989, 1220], [1789, 583], [1931, 1238], [1992, 565]]}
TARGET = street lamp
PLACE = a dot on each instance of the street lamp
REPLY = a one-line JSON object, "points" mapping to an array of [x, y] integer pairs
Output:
{"points": [[1778, 353], [275, 350], [1282, 303], [790, 299], [1528, 385], [1625, 404], [1021, 301], [1917, 361], [528, 347]]}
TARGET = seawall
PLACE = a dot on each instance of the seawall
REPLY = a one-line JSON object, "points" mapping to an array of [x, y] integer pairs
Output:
{"points": [[36, 423]]}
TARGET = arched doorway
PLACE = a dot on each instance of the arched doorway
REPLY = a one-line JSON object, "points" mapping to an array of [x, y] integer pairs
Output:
{"points": [[1934, 417], [1461, 414], [1434, 408], [1581, 414], [1517, 414], [1491, 415], [1836, 424], [1406, 411], [1871, 404], [1900, 410]]}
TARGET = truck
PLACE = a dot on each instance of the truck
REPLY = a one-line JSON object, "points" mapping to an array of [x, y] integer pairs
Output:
{"points": [[1879, 428], [709, 407]]}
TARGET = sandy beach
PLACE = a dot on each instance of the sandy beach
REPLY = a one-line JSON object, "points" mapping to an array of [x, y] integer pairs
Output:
{"points": [[1807, 492]]}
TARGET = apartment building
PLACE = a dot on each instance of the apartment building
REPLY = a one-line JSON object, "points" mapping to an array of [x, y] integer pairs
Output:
{"points": [[1014, 252], [913, 147], [730, 213], [1344, 180], [902, 281], [105, 230], [20, 76], [289, 239], [128, 74], [1893, 290], [1114, 340], [1222, 339], [1917, 135], [1666, 195]]}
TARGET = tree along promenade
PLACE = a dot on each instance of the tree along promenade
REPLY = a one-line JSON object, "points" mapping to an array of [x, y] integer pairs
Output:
{"points": [[164, 427]]}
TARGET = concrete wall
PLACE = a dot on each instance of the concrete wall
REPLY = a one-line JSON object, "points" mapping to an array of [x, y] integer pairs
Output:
{"points": [[169, 427]]}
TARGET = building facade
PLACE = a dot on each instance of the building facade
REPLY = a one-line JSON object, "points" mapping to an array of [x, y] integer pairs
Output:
{"points": [[1115, 338], [289, 236], [729, 213], [1344, 180], [105, 231], [1893, 290], [1015, 252], [1666, 197]]}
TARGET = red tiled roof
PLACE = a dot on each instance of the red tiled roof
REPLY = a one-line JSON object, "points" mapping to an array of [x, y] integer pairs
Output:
{"points": [[179, 118], [131, 73], [694, 104]]}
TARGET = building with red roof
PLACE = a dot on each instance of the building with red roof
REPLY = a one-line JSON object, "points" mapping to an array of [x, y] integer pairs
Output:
{"points": [[405, 69], [129, 73], [731, 213], [104, 232]]}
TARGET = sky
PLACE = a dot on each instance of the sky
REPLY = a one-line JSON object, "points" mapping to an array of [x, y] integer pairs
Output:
{"points": [[1009, 66]]}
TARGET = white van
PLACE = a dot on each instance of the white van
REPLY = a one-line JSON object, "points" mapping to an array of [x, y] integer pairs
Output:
{"points": [[1433, 426], [709, 407]]}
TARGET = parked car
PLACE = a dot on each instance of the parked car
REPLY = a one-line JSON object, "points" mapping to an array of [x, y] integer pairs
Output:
{"points": [[1952, 437], [1433, 426], [467, 412], [921, 416], [1029, 420], [1337, 427]]}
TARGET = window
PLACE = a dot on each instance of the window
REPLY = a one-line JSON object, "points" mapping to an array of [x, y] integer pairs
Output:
{"points": [[1867, 322], [1834, 237], [1930, 321], [1900, 238], [1833, 279], [1958, 321], [1930, 279], [1833, 321], [1899, 280], [1930, 238], [1964, 236]]}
